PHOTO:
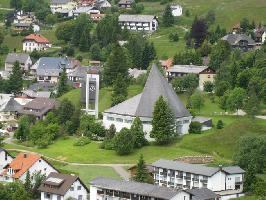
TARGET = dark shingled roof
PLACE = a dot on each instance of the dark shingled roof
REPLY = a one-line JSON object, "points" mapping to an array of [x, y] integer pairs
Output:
{"points": [[195, 168], [233, 39], [13, 57], [202, 194], [61, 187], [142, 105], [144, 189], [12, 106]]}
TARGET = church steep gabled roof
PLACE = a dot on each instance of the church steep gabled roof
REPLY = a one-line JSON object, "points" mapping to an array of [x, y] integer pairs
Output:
{"points": [[142, 105]]}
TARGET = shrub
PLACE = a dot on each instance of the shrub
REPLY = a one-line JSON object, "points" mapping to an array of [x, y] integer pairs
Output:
{"points": [[82, 141], [195, 127], [173, 37], [124, 142], [219, 124]]}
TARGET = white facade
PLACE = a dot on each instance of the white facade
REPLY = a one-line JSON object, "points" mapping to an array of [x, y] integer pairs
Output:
{"points": [[76, 191], [97, 193], [58, 7], [39, 166], [31, 45], [177, 10], [125, 121], [221, 183], [263, 37], [139, 26], [5, 159]]}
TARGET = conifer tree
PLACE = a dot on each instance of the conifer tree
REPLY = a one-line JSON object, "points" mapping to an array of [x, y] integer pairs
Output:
{"points": [[15, 82], [148, 55], [137, 130], [142, 174], [168, 18], [120, 90], [62, 85], [117, 63], [28, 184], [163, 122]]}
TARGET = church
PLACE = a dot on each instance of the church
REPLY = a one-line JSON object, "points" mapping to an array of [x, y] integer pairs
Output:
{"points": [[142, 105]]}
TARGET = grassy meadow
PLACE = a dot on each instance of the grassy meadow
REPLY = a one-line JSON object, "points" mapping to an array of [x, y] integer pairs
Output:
{"points": [[218, 143]]}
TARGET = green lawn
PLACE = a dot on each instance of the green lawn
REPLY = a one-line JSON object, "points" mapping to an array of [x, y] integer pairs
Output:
{"points": [[105, 96], [13, 42], [164, 47], [5, 4], [219, 143], [87, 173]]}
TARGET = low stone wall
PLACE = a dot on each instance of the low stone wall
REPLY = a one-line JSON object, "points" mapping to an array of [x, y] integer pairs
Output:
{"points": [[195, 159]]}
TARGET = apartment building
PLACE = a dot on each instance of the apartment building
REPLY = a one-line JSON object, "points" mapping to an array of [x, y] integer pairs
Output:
{"points": [[138, 22], [111, 189], [225, 181]]}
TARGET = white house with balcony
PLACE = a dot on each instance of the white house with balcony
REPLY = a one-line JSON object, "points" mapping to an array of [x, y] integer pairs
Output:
{"points": [[110, 189], [59, 186], [147, 23], [142, 105], [224, 181]]}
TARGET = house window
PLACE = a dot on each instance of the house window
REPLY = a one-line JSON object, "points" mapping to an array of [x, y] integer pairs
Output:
{"points": [[110, 118], [80, 197], [58, 197], [209, 76], [79, 187], [72, 189], [40, 161], [119, 120], [47, 195]]}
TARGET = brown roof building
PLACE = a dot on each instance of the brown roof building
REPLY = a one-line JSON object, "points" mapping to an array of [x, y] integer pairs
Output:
{"points": [[38, 107], [63, 186]]}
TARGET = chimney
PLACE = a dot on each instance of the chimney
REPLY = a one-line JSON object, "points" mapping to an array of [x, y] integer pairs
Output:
{"points": [[25, 155], [220, 167]]}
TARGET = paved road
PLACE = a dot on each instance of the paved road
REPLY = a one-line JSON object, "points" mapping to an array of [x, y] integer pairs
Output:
{"points": [[8, 9]]}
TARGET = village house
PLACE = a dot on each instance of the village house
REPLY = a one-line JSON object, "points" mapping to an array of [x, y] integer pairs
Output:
{"points": [[260, 35], [85, 10], [138, 22], [224, 181], [96, 17], [59, 186], [203, 72], [38, 107], [125, 3], [48, 69], [43, 86], [106, 188], [34, 94], [35, 42], [5, 158], [177, 10], [23, 59], [9, 108], [82, 3], [240, 41], [78, 75], [102, 4], [58, 6], [25, 162], [142, 105]]}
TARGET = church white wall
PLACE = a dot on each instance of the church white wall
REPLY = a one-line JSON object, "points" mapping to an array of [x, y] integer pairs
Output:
{"points": [[122, 121]]}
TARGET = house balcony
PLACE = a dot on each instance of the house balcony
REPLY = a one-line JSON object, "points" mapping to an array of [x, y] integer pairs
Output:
{"points": [[188, 177]]}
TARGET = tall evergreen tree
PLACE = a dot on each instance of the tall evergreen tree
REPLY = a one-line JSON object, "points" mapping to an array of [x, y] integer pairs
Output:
{"points": [[65, 111], [135, 48], [28, 184], [137, 130], [84, 44], [148, 55], [163, 122], [142, 174], [120, 90], [15, 82], [199, 31], [62, 85], [168, 18], [117, 63]]}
